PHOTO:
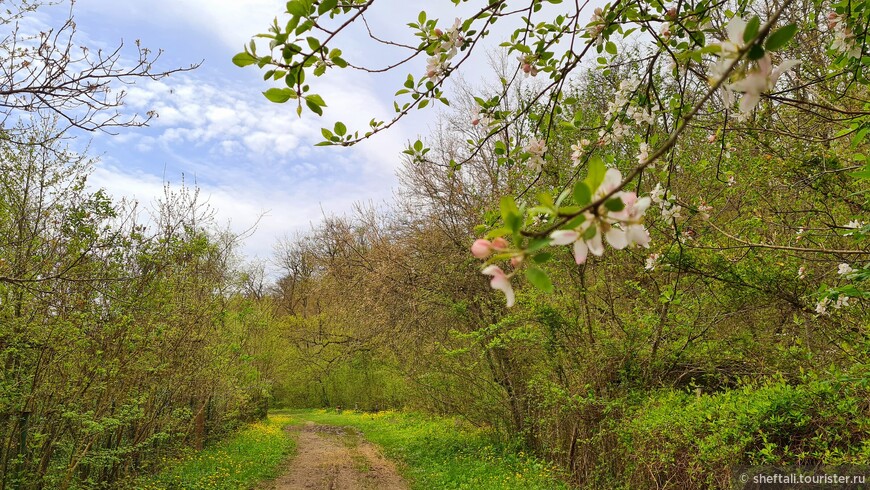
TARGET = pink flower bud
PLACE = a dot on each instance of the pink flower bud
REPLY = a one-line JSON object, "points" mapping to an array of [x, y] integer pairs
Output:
{"points": [[438, 32], [527, 68], [481, 248], [475, 121], [711, 138], [500, 244], [516, 260], [671, 13]]}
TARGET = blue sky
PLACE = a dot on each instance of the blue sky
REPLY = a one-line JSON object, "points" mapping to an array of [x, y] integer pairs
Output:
{"points": [[252, 159]]}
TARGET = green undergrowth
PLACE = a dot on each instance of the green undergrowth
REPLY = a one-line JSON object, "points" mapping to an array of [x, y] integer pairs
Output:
{"points": [[443, 453], [679, 439], [245, 458]]}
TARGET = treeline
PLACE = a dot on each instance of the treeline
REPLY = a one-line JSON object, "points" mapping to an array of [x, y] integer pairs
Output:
{"points": [[116, 338]]}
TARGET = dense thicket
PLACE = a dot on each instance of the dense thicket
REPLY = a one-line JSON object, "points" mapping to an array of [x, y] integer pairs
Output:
{"points": [[115, 338]]}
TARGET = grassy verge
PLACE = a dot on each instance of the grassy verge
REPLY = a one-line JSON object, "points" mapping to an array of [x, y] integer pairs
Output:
{"points": [[253, 454], [443, 453]]}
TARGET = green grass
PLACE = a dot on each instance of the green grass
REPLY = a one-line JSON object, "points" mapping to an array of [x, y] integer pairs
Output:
{"points": [[438, 453], [247, 457]]}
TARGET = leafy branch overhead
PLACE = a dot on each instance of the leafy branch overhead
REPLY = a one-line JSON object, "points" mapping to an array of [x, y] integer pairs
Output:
{"points": [[675, 68]]}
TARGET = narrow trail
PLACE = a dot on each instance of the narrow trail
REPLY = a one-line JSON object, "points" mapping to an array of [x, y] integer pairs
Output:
{"points": [[336, 458]]}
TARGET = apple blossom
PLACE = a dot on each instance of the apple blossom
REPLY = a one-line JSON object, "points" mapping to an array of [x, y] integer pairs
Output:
{"points": [[844, 269], [579, 149], [760, 80], [822, 306], [842, 300], [536, 148], [619, 228], [451, 41], [643, 153], [596, 25], [527, 64], [844, 39]]}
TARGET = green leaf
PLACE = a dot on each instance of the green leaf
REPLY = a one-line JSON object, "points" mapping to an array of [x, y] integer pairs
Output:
{"points": [[340, 128], [590, 233], [614, 204], [862, 174], [315, 108], [537, 244], [510, 213], [280, 95], [498, 232], [315, 99], [539, 279], [582, 194], [780, 37], [756, 52], [597, 169], [244, 59], [610, 47], [326, 6], [751, 29], [574, 222], [542, 257], [546, 199], [297, 8]]}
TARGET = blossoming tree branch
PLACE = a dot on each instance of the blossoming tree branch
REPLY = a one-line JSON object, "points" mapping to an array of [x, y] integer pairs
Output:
{"points": [[680, 68]]}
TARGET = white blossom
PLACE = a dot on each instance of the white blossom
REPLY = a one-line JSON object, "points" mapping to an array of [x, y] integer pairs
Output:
{"points": [[536, 148], [822, 306]]}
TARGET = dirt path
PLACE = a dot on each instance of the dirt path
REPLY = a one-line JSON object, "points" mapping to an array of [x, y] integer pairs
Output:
{"points": [[336, 458]]}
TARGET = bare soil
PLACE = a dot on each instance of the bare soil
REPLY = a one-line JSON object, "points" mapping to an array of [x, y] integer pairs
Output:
{"points": [[336, 458]]}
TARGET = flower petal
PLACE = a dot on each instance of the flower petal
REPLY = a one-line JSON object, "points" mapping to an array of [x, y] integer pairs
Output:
{"points": [[783, 67], [595, 245], [616, 238], [612, 179], [640, 207], [735, 30], [638, 235], [563, 237], [493, 270], [503, 284], [581, 251]]}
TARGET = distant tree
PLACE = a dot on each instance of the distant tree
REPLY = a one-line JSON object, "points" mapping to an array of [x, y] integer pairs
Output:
{"points": [[47, 73]]}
